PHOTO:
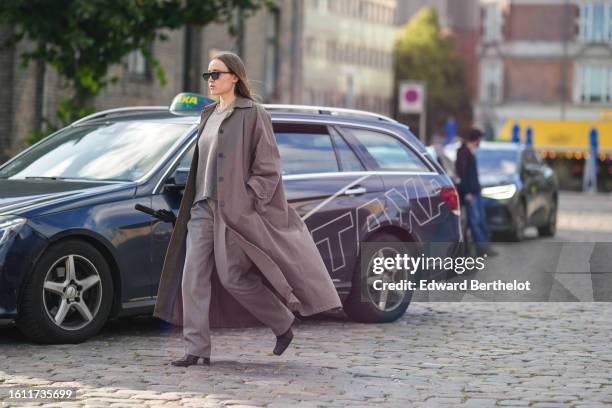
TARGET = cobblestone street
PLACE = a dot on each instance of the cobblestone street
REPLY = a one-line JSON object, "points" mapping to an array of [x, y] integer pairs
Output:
{"points": [[456, 354]]}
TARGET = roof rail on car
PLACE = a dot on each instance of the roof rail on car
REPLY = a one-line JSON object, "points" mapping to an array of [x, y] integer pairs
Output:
{"points": [[110, 112], [330, 110]]}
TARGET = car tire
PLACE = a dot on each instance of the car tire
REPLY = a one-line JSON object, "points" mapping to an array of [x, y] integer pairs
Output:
{"points": [[519, 223], [550, 228], [84, 304], [375, 310]]}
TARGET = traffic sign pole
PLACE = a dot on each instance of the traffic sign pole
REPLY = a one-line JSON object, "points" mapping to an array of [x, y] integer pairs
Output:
{"points": [[423, 119]]}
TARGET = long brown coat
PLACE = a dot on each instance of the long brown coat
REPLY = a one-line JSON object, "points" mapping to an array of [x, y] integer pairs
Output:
{"points": [[253, 207]]}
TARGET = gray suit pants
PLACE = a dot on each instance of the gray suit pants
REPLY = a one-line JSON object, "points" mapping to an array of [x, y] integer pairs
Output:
{"points": [[245, 286]]}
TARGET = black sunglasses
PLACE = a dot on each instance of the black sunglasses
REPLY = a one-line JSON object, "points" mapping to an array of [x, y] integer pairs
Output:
{"points": [[214, 75]]}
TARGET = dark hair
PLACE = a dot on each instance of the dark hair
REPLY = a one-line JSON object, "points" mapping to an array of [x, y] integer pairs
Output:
{"points": [[473, 135], [236, 66]]}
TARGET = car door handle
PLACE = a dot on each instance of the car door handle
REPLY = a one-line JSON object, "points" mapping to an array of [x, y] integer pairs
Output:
{"points": [[356, 190]]}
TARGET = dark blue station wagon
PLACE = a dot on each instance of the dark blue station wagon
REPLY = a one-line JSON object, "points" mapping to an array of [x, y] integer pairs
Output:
{"points": [[74, 251]]}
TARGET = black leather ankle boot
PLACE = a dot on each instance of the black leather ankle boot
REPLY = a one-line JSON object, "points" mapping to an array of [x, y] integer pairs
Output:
{"points": [[190, 359], [282, 342]]}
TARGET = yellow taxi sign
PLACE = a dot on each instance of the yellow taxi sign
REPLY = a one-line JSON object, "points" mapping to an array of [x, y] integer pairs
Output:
{"points": [[188, 103]]}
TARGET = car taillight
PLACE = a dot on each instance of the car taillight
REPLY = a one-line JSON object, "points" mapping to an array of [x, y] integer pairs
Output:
{"points": [[451, 199]]}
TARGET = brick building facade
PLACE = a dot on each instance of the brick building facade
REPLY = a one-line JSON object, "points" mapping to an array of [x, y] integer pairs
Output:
{"points": [[34, 92], [544, 59]]}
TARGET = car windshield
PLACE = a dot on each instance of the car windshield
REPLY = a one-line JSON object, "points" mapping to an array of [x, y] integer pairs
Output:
{"points": [[123, 151], [492, 161]]}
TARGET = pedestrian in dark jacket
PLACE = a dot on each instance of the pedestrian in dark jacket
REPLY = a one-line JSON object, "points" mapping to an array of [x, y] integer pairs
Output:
{"points": [[469, 190]]}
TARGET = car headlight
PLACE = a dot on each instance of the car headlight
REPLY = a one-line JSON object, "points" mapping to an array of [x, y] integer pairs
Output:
{"points": [[10, 226], [499, 192]]}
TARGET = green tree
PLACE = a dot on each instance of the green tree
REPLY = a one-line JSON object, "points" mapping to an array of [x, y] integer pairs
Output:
{"points": [[423, 53], [82, 39]]}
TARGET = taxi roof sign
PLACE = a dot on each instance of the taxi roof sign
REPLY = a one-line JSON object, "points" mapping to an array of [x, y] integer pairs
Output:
{"points": [[188, 103]]}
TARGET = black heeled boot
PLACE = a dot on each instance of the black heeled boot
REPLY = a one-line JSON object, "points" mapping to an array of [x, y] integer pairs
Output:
{"points": [[282, 342], [190, 359]]}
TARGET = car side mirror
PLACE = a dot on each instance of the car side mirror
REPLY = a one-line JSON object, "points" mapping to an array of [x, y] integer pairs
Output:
{"points": [[178, 180]]}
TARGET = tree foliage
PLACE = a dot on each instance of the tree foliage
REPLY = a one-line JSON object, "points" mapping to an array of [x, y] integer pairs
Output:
{"points": [[423, 53]]}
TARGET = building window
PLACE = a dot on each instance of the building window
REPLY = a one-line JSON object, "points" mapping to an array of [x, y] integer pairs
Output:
{"points": [[491, 81], [272, 48], [491, 22], [596, 21], [330, 50], [593, 84], [137, 65]]}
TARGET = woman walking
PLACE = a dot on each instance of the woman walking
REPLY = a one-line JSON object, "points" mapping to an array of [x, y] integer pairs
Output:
{"points": [[239, 255]]}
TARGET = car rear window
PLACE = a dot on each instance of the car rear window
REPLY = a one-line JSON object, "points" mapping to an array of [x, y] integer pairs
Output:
{"points": [[306, 153], [389, 152], [348, 159]]}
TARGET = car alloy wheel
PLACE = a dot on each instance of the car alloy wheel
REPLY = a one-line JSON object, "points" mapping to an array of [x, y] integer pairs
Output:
{"points": [[366, 304], [68, 295], [386, 300], [72, 292]]}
